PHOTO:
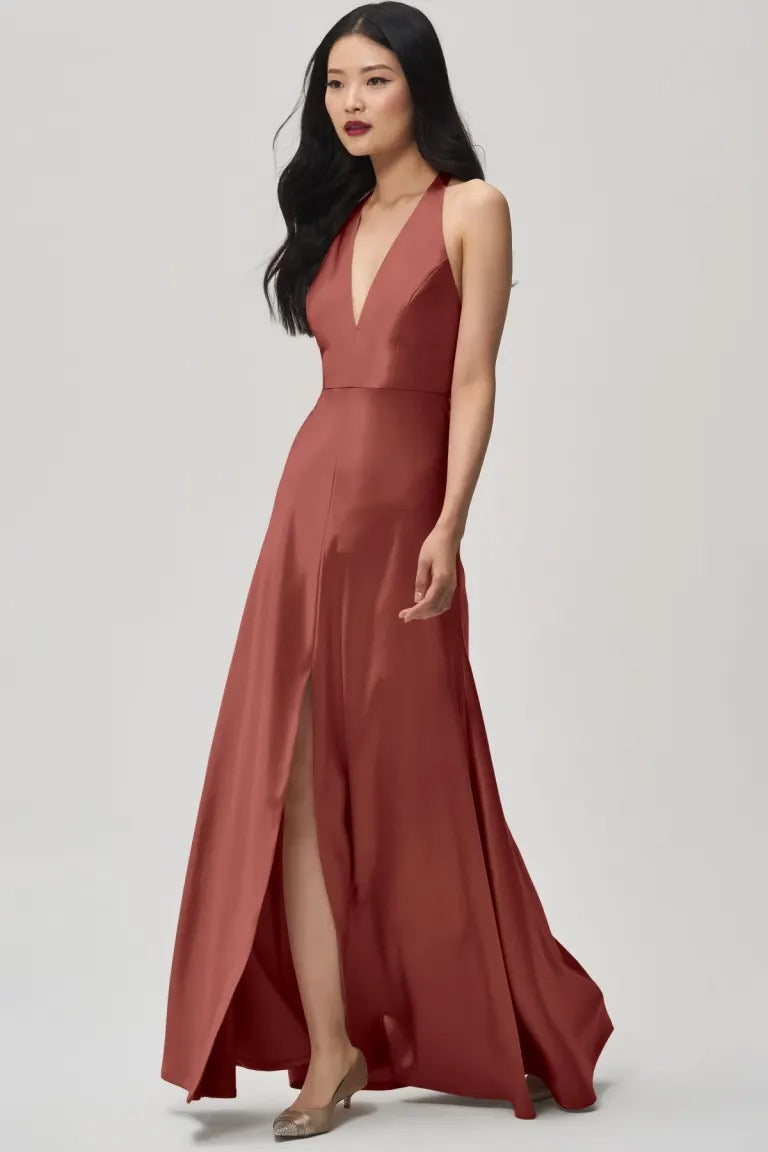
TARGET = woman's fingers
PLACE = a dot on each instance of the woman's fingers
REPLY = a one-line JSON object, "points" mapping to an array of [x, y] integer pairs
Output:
{"points": [[423, 569], [437, 598]]}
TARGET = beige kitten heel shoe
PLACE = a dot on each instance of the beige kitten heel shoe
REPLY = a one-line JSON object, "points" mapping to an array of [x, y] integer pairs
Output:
{"points": [[295, 1122], [537, 1087]]}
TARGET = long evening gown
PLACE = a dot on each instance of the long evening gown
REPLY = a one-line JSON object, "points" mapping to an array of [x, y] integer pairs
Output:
{"points": [[453, 980]]}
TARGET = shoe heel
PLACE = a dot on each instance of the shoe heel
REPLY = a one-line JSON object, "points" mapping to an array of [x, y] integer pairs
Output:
{"points": [[294, 1122]]}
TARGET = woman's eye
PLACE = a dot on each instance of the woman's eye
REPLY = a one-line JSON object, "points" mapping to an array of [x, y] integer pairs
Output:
{"points": [[375, 80]]}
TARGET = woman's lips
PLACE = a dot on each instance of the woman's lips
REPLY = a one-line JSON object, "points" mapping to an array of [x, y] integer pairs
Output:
{"points": [[356, 128]]}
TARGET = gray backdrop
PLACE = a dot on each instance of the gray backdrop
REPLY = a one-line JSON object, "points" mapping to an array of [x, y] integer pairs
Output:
{"points": [[615, 551]]}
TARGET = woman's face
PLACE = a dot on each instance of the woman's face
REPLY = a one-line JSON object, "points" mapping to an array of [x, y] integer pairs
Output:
{"points": [[365, 83]]}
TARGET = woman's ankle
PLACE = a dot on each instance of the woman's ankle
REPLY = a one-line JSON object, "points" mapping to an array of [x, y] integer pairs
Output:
{"points": [[332, 1048]]}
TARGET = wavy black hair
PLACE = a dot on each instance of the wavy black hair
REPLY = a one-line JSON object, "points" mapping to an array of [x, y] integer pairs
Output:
{"points": [[322, 182]]}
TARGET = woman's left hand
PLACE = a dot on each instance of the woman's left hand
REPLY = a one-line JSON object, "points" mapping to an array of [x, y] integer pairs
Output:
{"points": [[435, 575]]}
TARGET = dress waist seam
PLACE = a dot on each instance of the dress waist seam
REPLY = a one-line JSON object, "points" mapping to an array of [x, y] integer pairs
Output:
{"points": [[387, 388]]}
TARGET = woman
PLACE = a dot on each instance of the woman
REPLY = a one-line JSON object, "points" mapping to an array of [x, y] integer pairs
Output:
{"points": [[355, 909]]}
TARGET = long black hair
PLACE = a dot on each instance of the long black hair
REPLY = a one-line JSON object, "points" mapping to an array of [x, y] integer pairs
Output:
{"points": [[321, 184]]}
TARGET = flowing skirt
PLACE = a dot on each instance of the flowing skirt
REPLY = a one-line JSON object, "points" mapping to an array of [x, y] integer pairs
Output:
{"points": [[452, 978]]}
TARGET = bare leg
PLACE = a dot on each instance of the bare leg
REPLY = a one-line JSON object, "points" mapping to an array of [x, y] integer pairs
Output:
{"points": [[311, 929]]}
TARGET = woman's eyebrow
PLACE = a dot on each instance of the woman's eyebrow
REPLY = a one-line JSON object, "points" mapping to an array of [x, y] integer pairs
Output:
{"points": [[368, 68]]}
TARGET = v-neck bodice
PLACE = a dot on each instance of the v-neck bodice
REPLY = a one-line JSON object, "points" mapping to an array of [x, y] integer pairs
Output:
{"points": [[405, 335]]}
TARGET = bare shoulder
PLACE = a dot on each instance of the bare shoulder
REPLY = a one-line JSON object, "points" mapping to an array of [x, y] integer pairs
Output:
{"points": [[479, 204]]}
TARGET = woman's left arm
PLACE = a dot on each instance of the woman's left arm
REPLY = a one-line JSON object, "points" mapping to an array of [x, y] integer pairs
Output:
{"points": [[484, 226]]}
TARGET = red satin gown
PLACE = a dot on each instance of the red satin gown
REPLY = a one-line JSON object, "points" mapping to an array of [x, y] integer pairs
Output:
{"points": [[453, 980]]}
